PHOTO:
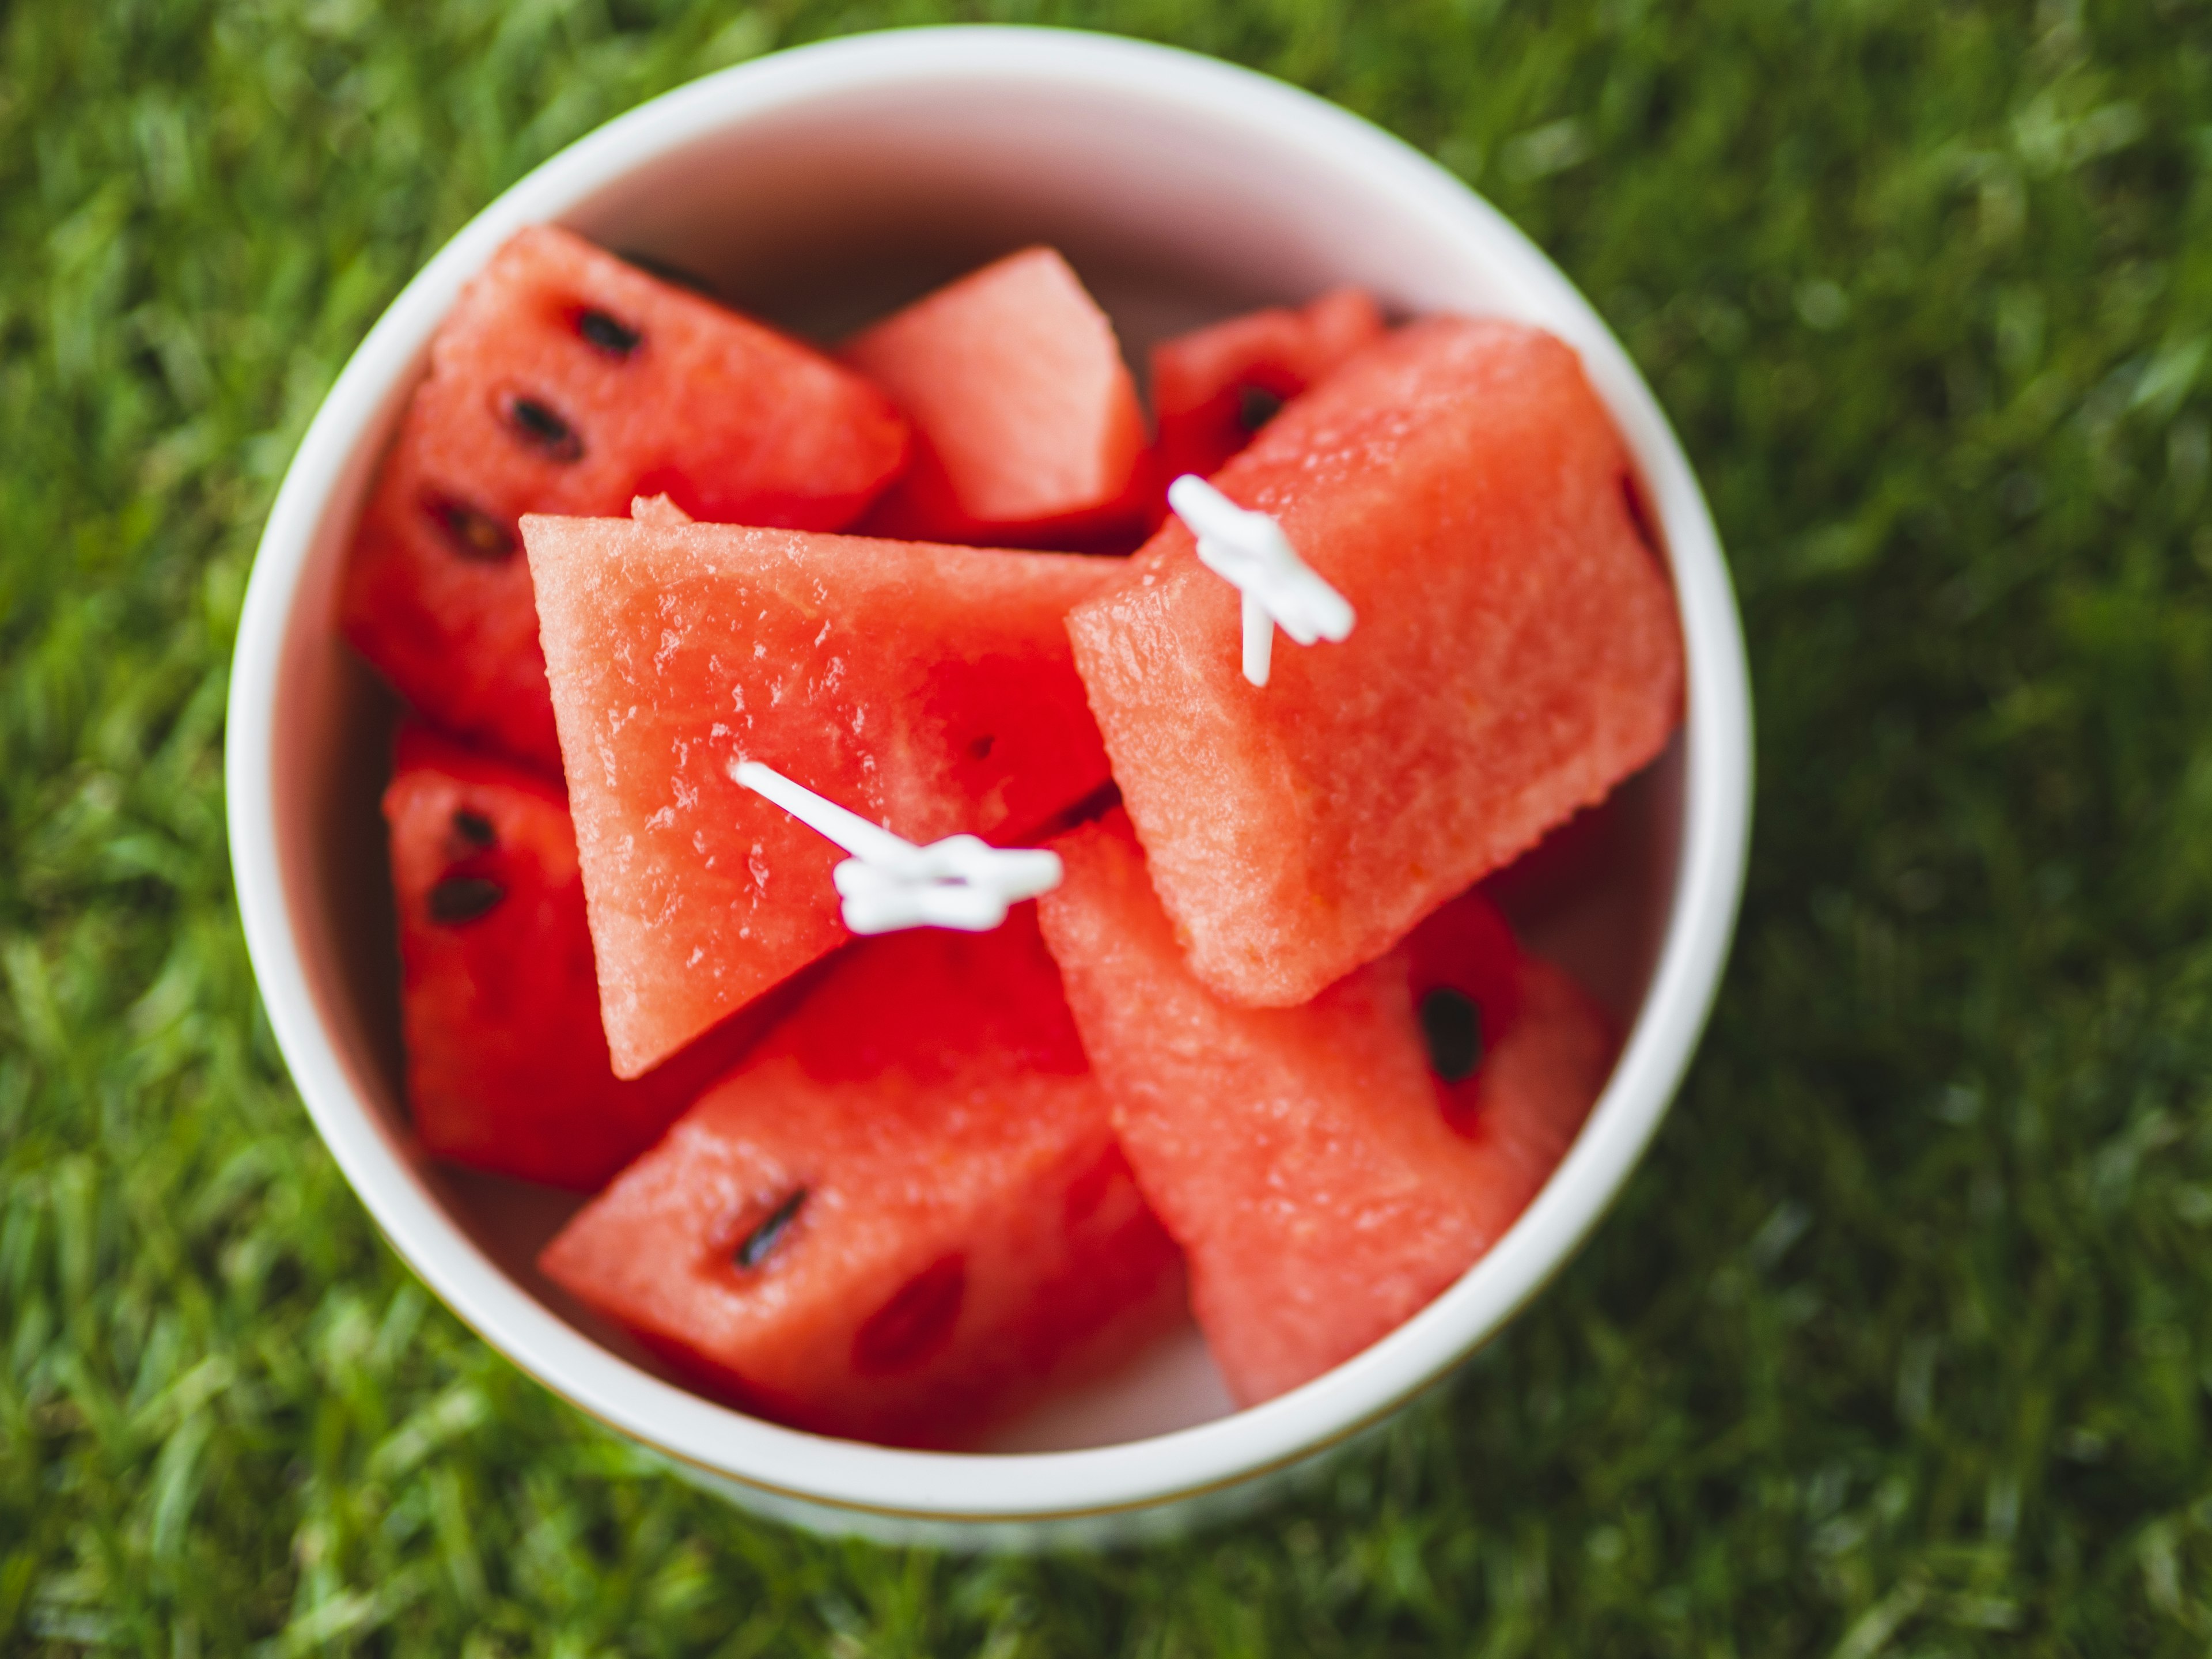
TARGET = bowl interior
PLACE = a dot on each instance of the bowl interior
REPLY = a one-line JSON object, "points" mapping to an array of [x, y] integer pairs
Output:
{"points": [[819, 213]]}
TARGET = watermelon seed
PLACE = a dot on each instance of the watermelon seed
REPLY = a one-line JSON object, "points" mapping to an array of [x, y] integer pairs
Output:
{"points": [[539, 425], [980, 749], [754, 1247], [600, 329], [473, 828], [472, 534], [1452, 1024], [458, 899], [1255, 407]]}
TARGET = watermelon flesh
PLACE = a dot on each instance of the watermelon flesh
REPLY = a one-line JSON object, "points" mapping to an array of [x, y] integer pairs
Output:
{"points": [[1516, 653], [903, 1218], [1328, 1169], [566, 380], [926, 687], [1213, 387], [1027, 430], [506, 1067]]}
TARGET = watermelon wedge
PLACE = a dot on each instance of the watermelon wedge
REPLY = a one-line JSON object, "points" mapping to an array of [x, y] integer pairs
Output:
{"points": [[1214, 388], [1516, 653], [927, 688], [1027, 430], [566, 381], [1328, 1169], [904, 1218], [506, 1067]]}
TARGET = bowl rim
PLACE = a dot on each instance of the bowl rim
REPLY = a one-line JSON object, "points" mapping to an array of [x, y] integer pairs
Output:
{"points": [[1030, 1486]]}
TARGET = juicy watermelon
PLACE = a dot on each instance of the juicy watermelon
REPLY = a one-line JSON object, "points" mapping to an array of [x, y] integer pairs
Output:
{"points": [[1026, 425], [1215, 386], [1328, 1169], [928, 688], [506, 1067], [902, 1218], [566, 381], [1516, 653]]}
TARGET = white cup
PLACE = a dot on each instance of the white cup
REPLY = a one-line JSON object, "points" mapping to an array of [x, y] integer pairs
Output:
{"points": [[817, 187]]}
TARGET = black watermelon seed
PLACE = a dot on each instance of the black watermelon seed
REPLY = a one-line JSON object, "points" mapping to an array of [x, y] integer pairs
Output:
{"points": [[458, 899], [600, 329], [980, 749], [474, 827], [540, 428], [756, 1244], [473, 534], [1255, 407], [1453, 1027]]}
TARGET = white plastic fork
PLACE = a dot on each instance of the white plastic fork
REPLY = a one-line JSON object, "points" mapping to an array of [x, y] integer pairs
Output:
{"points": [[1249, 551], [890, 882]]}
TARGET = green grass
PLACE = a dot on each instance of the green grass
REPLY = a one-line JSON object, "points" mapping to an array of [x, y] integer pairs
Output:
{"points": [[1900, 1339]]}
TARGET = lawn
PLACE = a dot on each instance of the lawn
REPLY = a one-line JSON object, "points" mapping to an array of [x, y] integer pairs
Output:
{"points": [[1900, 1339]]}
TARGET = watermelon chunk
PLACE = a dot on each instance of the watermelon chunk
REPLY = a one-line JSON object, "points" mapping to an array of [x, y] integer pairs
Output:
{"points": [[1214, 388], [566, 381], [506, 1066], [927, 688], [1027, 429], [1328, 1169], [904, 1218], [1516, 653]]}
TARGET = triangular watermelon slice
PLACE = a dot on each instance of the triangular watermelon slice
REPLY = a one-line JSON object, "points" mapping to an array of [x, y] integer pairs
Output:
{"points": [[926, 687], [1516, 653], [1027, 429], [904, 1218], [566, 380], [506, 1067], [1215, 386], [1328, 1169]]}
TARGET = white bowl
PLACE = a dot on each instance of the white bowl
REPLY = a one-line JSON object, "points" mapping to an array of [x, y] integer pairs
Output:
{"points": [[817, 187]]}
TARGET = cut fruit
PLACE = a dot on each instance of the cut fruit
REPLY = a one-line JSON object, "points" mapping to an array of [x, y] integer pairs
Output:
{"points": [[928, 689], [1215, 386], [1026, 425], [1328, 1169], [566, 380], [904, 1218], [1516, 653], [507, 1068]]}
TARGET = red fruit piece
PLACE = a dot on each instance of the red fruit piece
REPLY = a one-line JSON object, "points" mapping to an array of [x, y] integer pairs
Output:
{"points": [[1026, 425], [926, 687], [903, 1218], [506, 1067], [1328, 1169], [566, 381], [1215, 386], [1516, 653]]}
